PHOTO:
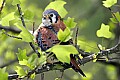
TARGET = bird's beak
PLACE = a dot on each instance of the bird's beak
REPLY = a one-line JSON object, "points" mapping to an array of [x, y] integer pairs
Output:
{"points": [[47, 17]]}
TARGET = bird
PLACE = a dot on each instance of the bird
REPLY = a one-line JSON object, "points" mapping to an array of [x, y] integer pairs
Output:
{"points": [[46, 35]]}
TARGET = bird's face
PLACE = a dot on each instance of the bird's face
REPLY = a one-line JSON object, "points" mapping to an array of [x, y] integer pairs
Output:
{"points": [[50, 17]]}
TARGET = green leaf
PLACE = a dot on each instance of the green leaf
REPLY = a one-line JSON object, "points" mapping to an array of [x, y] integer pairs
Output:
{"points": [[7, 18], [3, 31], [32, 58], [22, 54], [104, 31], [117, 18], [70, 22], [32, 61], [25, 63], [64, 36], [42, 59], [25, 34], [20, 71], [28, 15], [15, 2], [23, 59], [1, 2], [109, 3], [61, 10], [3, 74], [32, 76], [63, 52]]}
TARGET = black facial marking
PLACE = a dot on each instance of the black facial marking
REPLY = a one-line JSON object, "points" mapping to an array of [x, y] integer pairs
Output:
{"points": [[51, 15], [44, 17], [50, 19], [56, 19]]}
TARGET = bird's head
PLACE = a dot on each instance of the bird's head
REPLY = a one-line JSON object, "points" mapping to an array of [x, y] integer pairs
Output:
{"points": [[50, 17]]}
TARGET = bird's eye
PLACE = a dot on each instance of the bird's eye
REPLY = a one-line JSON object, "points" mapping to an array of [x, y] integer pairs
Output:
{"points": [[51, 15], [44, 17]]}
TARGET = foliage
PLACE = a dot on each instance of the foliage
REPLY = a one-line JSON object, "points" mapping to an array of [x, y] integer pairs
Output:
{"points": [[117, 18], [65, 35], [3, 74], [66, 49], [29, 63], [104, 31], [109, 3], [5, 21], [20, 71], [25, 34], [70, 22]]}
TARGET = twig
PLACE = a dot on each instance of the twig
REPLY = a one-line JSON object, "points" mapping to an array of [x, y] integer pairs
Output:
{"points": [[11, 36], [117, 21], [21, 15], [61, 75], [42, 76], [113, 15], [33, 27], [1, 8], [77, 46], [8, 28], [102, 53], [36, 51], [76, 36]]}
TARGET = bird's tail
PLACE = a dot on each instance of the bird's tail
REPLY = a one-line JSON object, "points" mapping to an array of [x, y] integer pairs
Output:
{"points": [[75, 66]]}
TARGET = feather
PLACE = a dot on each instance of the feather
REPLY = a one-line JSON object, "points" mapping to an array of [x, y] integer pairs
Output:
{"points": [[75, 65]]}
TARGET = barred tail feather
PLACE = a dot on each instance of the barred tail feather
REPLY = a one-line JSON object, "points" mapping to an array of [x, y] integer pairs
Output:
{"points": [[75, 66]]}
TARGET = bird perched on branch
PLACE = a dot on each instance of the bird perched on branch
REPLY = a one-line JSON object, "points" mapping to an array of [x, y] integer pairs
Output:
{"points": [[46, 35]]}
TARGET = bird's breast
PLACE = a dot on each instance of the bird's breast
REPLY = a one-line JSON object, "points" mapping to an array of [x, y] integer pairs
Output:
{"points": [[48, 38]]}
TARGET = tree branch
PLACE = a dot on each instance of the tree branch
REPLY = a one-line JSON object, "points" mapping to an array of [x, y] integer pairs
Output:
{"points": [[11, 29], [113, 50]]}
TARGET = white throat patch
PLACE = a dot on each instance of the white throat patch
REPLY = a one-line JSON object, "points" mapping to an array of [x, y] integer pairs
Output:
{"points": [[49, 21]]}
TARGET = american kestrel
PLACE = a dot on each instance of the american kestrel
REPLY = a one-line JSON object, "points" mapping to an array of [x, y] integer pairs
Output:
{"points": [[46, 35]]}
